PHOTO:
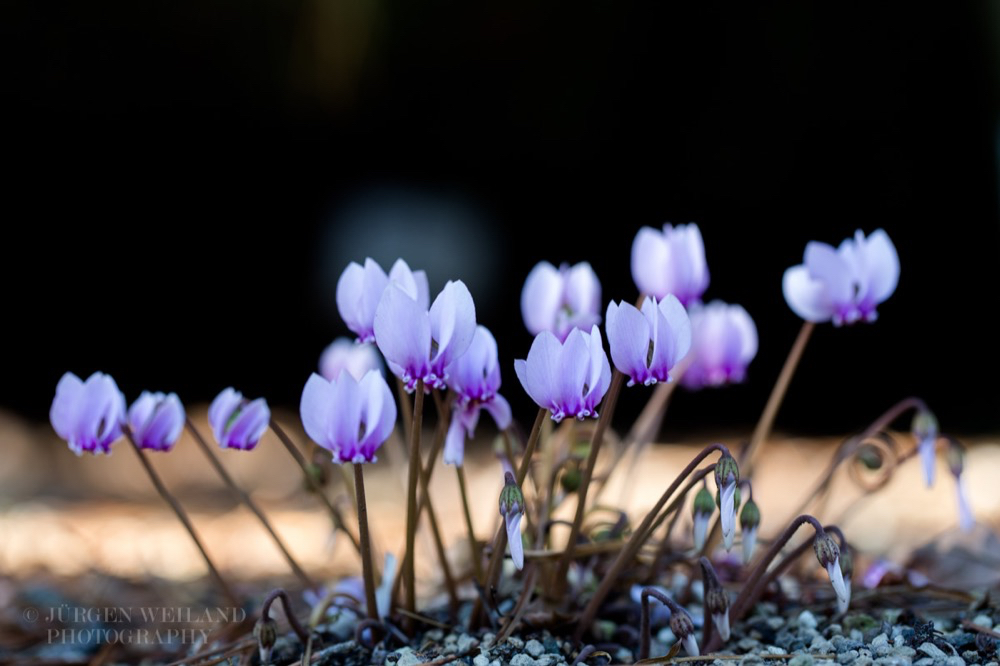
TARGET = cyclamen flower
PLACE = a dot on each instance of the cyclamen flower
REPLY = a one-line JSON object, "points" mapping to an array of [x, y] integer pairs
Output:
{"points": [[359, 291], [345, 354], [828, 554], [475, 379], [647, 345], [724, 342], [683, 628], [156, 420], [727, 479], [844, 284], [238, 423], [559, 300], [419, 344], [569, 378], [749, 521], [704, 507], [670, 262], [350, 419], [88, 415]]}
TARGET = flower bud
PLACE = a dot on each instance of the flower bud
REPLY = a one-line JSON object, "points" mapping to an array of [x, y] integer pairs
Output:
{"points": [[726, 471], [749, 521], [956, 458], [570, 479], [683, 628], [703, 508], [716, 599], [512, 508], [266, 633], [847, 570], [828, 554]]}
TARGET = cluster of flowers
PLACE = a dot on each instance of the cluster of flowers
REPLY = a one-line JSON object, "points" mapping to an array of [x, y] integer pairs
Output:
{"points": [[669, 335]]}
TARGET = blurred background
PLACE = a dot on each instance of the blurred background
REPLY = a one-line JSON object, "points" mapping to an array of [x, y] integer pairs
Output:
{"points": [[186, 181]]}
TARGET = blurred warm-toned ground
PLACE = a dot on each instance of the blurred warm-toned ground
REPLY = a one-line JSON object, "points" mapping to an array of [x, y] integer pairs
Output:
{"points": [[65, 515]]}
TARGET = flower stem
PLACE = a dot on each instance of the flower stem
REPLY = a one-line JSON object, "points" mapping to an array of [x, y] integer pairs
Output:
{"points": [[674, 509], [338, 520], [182, 516], [368, 571], [607, 410], [763, 429], [293, 622], [409, 569], [245, 498], [477, 566], [500, 540], [644, 596], [635, 542]]}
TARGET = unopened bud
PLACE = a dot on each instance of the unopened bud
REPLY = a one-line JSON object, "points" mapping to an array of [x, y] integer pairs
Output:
{"points": [[703, 502], [956, 458], [570, 479], [683, 628], [750, 515], [924, 425], [512, 508], [827, 550], [266, 633], [737, 498], [726, 471], [716, 599]]}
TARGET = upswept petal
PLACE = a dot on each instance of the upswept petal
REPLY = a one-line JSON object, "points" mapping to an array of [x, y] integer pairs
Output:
{"points": [[349, 289], [499, 409], [966, 520], [65, 406], [805, 296], [671, 335], [695, 265], [629, 337], [832, 269], [650, 257], [541, 370], [572, 375], [142, 409], [583, 289], [221, 410], [403, 333], [316, 409], [345, 422], [250, 425], [600, 372], [346, 354], [454, 442], [741, 319], [452, 324], [881, 266], [100, 415], [162, 426], [378, 413], [401, 274], [540, 297]]}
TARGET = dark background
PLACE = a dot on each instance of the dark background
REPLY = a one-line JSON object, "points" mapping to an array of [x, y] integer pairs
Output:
{"points": [[186, 182]]}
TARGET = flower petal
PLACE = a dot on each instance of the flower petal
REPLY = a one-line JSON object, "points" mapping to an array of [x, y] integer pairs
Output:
{"points": [[651, 263], [163, 426], [541, 370], [700, 530], [454, 442], [541, 297], [403, 332], [583, 291], [672, 335], [727, 512], [221, 410], [691, 645], [966, 520], [629, 337], [65, 405], [250, 425], [514, 538], [316, 409], [499, 409], [378, 413], [805, 296], [881, 266], [828, 266], [928, 456], [572, 372], [453, 324], [721, 621], [837, 579]]}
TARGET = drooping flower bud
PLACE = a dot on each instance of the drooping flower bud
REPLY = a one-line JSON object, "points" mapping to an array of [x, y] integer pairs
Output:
{"points": [[266, 633], [749, 521], [683, 628], [512, 508], [828, 554], [703, 508], [925, 431], [727, 477], [956, 463], [716, 599], [847, 570]]}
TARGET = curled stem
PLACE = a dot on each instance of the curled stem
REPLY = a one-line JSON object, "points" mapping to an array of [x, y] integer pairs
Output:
{"points": [[644, 631], [245, 498], [182, 516], [635, 542], [286, 604]]}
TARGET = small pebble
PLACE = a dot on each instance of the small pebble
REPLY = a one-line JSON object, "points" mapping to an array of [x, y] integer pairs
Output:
{"points": [[932, 650], [747, 644], [954, 660], [847, 657], [776, 622], [983, 621], [534, 648], [750, 659], [820, 644], [522, 660], [801, 659], [465, 641], [807, 619], [481, 660], [515, 642]]}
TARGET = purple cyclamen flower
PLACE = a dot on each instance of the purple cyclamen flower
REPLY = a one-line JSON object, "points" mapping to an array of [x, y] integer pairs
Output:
{"points": [[359, 291], [475, 378], [647, 345], [349, 418], [559, 300], [420, 344], [238, 423], [670, 262], [569, 378], [346, 354], [156, 420], [724, 341], [844, 284], [88, 415]]}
